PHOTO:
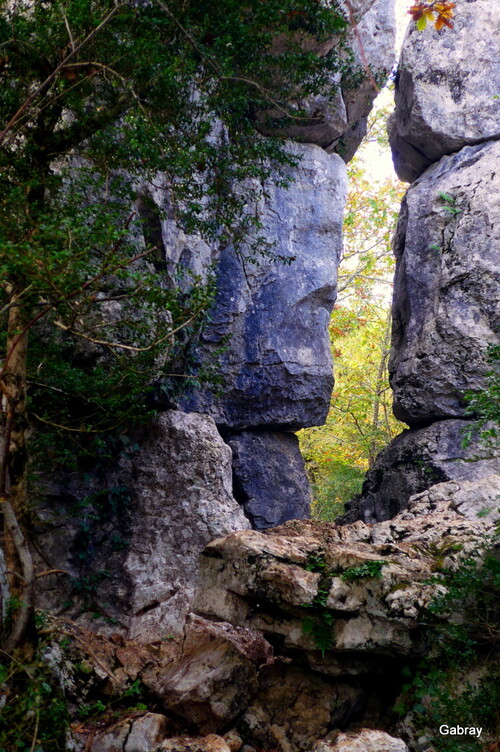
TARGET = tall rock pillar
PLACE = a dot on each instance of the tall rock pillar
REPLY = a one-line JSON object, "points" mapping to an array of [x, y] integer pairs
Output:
{"points": [[445, 140]]}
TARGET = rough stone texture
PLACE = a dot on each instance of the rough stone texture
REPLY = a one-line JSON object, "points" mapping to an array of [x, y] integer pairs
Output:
{"points": [[446, 90], [294, 708], [184, 491], [264, 579], [277, 370], [376, 29], [446, 306], [210, 743], [203, 680], [364, 740], [172, 496], [133, 735], [414, 461], [338, 123], [269, 477], [215, 676]]}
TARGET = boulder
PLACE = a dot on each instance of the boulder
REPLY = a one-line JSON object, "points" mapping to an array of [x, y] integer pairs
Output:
{"points": [[360, 588], [269, 477], [364, 740], [416, 460], [210, 743], [214, 677], [447, 285], [271, 317], [446, 89], [131, 535], [141, 734]]}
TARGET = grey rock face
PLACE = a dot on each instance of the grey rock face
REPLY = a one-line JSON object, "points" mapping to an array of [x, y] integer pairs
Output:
{"points": [[133, 735], [447, 89], [416, 460], [338, 123], [273, 316], [269, 477], [169, 498], [184, 499], [446, 308]]}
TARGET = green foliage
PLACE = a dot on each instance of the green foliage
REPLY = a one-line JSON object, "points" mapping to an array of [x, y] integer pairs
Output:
{"points": [[35, 714], [368, 569], [321, 630], [449, 203], [442, 689], [96, 99], [360, 421], [317, 563], [485, 405], [115, 705], [319, 624]]}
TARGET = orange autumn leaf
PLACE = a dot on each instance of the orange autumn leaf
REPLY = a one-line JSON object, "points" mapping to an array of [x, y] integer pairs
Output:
{"points": [[438, 12]]}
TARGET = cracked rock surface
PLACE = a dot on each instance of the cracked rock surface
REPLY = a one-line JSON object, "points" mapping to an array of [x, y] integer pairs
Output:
{"points": [[419, 458], [271, 581], [447, 89], [446, 308]]}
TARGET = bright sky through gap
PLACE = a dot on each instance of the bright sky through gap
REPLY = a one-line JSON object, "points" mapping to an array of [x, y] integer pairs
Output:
{"points": [[377, 159]]}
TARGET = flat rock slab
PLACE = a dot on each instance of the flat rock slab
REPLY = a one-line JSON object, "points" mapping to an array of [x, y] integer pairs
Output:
{"points": [[364, 740]]}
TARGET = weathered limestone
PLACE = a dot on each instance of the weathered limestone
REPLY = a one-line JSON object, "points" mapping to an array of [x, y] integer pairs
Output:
{"points": [[338, 122], [444, 136], [183, 487], [365, 740], [214, 677], [274, 314], [446, 90], [294, 707], [446, 308], [414, 461], [372, 580], [142, 734], [133, 548], [270, 481]]}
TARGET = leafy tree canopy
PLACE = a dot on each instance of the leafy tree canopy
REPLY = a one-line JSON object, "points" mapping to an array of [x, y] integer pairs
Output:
{"points": [[102, 101]]}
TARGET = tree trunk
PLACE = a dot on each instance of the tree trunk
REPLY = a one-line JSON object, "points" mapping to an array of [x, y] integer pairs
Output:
{"points": [[13, 475]]}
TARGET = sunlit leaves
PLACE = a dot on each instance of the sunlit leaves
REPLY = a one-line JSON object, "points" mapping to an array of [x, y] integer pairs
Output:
{"points": [[439, 13]]}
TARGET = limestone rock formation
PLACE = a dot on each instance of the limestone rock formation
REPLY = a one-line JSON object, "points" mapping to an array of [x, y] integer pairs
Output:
{"points": [[338, 123], [270, 481], [210, 743], [137, 535], [365, 740], [447, 285], [327, 613], [273, 315], [446, 89], [371, 580], [272, 318], [444, 136], [142, 734], [417, 459], [214, 677]]}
